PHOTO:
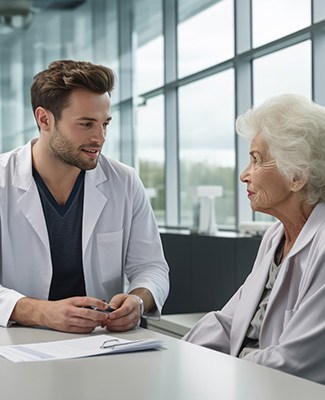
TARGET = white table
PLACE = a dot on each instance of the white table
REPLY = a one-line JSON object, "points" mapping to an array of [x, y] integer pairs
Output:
{"points": [[182, 371]]}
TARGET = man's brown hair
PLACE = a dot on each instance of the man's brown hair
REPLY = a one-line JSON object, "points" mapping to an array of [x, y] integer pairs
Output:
{"points": [[52, 87]]}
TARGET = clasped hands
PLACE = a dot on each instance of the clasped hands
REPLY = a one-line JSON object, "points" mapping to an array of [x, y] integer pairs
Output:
{"points": [[125, 314], [79, 314]]}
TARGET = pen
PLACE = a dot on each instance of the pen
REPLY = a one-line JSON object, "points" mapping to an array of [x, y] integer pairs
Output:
{"points": [[107, 310]]}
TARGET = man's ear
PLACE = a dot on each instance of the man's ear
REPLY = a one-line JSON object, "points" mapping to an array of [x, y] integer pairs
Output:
{"points": [[298, 182], [44, 118]]}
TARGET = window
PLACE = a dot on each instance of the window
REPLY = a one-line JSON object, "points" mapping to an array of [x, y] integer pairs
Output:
{"points": [[207, 150], [105, 32], [285, 71], [205, 34], [277, 18], [148, 42], [150, 152]]}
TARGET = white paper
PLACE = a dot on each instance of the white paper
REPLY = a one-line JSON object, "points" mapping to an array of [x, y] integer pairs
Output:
{"points": [[75, 348]]}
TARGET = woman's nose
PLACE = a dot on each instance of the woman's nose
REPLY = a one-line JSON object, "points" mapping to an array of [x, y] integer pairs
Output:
{"points": [[244, 176]]}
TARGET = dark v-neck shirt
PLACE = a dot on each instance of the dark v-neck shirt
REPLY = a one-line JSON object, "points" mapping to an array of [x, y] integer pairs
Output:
{"points": [[64, 226]]}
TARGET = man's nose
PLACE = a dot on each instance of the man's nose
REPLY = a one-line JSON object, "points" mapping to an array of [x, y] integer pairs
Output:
{"points": [[100, 135]]}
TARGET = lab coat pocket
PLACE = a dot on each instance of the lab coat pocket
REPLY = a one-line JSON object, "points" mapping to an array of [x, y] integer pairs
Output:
{"points": [[109, 245], [287, 317]]}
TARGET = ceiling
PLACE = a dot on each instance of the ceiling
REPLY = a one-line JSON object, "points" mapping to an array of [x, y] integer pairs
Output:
{"points": [[18, 14], [18, 7]]}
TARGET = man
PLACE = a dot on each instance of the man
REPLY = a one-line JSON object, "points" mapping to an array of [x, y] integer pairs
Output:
{"points": [[72, 221]]}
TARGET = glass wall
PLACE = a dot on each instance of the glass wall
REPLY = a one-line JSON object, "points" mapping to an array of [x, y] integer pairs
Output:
{"points": [[148, 74], [185, 69], [148, 43], [206, 144], [205, 34], [150, 152], [88, 32], [277, 72], [277, 18]]}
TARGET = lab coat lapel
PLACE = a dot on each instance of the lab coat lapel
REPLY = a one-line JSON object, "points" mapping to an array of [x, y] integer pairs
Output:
{"points": [[94, 202], [314, 222], [306, 235], [30, 205], [30, 202]]}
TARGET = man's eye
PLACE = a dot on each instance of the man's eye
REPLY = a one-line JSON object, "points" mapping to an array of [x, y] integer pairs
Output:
{"points": [[86, 124]]}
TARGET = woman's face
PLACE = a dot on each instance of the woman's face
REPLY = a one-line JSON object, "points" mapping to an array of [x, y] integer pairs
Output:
{"points": [[268, 190]]}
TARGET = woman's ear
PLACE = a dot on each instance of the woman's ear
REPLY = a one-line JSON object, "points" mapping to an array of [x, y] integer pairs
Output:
{"points": [[44, 119], [298, 182]]}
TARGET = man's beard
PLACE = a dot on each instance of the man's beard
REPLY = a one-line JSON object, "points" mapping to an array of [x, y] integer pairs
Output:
{"points": [[63, 151]]}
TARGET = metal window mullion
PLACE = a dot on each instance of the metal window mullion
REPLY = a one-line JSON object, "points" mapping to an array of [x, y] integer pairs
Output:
{"points": [[318, 53], [243, 98], [318, 10], [171, 114]]}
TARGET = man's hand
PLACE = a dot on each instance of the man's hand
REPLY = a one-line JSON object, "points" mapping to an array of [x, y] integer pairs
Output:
{"points": [[68, 315], [126, 315], [127, 310]]}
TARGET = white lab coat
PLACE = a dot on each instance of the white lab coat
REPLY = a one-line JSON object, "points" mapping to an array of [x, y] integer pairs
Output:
{"points": [[292, 336], [119, 234]]}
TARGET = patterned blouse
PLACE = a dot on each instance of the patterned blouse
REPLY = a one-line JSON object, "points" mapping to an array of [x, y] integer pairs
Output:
{"points": [[251, 341]]}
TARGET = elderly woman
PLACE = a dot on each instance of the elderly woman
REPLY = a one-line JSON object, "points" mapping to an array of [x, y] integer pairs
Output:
{"points": [[277, 317]]}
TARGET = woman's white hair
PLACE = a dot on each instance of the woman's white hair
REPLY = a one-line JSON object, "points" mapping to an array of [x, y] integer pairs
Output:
{"points": [[294, 129]]}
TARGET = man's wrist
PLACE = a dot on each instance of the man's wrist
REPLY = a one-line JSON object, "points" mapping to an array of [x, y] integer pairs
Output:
{"points": [[140, 301]]}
